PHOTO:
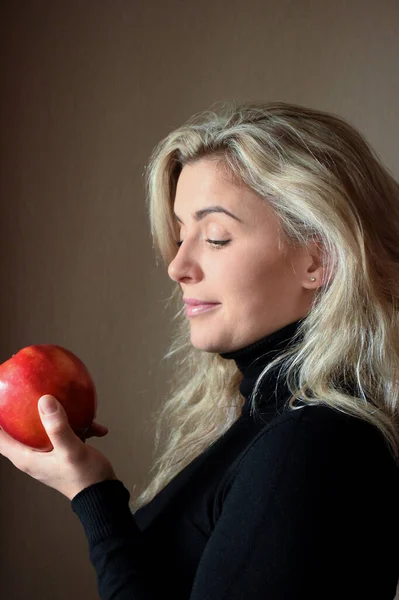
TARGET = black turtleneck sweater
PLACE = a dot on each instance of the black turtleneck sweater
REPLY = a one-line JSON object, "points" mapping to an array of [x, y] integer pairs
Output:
{"points": [[295, 504]]}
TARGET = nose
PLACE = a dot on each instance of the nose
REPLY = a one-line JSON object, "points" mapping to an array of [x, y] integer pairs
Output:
{"points": [[184, 266]]}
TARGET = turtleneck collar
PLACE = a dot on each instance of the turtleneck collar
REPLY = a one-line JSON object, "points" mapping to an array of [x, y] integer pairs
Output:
{"points": [[252, 359]]}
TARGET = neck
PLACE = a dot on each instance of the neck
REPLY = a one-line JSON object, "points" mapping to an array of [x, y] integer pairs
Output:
{"points": [[252, 359]]}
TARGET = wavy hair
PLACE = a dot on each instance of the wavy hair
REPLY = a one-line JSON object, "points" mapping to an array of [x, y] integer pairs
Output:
{"points": [[324, 182]]}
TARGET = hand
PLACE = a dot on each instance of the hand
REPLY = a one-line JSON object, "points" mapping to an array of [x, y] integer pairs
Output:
{"points": [[71, 465]]}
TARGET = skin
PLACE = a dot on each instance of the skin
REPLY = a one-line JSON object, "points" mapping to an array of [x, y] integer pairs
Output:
{"points": [[260, 286], [72, 465]]}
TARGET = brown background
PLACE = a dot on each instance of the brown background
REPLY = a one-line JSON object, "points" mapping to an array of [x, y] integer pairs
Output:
{"points": [[87, 89]]}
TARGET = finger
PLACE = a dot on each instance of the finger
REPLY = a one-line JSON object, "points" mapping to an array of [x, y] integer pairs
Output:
{"points": [[11, 448], [97, 430], [55, 422]]}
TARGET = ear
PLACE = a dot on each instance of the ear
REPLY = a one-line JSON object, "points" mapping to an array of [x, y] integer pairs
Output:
{"points": [[315, 265]]}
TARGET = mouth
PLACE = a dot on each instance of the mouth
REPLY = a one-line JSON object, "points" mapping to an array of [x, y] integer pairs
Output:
{"points": [[197, 302], [195, 309]]}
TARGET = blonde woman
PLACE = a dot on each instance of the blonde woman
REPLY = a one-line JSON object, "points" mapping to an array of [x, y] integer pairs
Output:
{"points": [[276, 476]]}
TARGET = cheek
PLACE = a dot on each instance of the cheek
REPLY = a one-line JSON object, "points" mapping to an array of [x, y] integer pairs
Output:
{"points": [[260, 280], [247, 276]]}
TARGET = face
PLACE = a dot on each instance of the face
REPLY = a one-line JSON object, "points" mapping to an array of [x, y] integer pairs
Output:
{"points": [[247, 283]]}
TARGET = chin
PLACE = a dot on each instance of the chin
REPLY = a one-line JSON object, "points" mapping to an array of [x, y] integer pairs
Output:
{"points": [[207, 346]]}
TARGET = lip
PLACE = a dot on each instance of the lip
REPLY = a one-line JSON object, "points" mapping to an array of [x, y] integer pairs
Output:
{"points": [[196, 302], [195, 307]]}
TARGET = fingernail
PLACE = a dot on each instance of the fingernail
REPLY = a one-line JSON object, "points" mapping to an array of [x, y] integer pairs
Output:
{"points": [[48, 405]]}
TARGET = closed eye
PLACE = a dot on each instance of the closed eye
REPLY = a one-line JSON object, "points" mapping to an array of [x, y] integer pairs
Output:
{"points": [[215, 243], [218, 243]]}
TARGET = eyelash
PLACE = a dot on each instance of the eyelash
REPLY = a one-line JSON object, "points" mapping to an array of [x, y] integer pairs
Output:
{"points": [[215, 243]]}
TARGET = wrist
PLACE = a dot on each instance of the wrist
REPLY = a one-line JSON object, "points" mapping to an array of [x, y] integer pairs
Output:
{"points": [[87, 484]]}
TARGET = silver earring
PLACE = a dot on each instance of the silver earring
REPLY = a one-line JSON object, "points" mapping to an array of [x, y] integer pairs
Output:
{"points": [[313, 279]]}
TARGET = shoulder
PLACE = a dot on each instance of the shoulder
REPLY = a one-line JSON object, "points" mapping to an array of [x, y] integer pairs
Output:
{"points": [[326, 427], [317, 442]]}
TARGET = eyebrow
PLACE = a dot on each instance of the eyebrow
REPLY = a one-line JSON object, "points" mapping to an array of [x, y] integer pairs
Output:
{"points": [[201, 214]]}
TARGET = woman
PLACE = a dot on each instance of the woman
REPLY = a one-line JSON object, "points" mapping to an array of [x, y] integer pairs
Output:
{"points": [[278, 478]]}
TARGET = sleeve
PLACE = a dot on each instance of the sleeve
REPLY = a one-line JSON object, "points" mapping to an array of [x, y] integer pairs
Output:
{"points": [[115, 546], [281, 532]]}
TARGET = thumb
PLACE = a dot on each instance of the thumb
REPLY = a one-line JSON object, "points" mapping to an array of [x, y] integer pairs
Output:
{"points": [[55, 422]]}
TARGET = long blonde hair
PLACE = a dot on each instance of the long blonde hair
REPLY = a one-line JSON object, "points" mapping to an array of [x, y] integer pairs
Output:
{"points": [[324, 182]]}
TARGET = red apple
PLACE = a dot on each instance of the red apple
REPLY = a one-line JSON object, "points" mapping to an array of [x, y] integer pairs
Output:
{"points": [[38, 370]]}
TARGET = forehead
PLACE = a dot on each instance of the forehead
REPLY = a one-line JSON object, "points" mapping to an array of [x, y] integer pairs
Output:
{"points": [[206, 182]]}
